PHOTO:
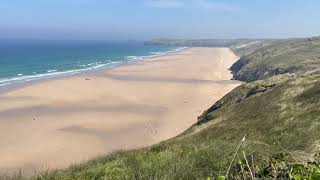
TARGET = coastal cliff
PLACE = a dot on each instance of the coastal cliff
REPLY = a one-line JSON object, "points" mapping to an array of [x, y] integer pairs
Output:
{"points": [[296, 56]]}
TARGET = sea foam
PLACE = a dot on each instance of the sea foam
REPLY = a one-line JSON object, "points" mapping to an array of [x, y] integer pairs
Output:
{"points": [[83, 68]]}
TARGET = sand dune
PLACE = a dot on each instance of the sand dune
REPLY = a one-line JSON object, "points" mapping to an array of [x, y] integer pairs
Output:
{"points": [[55, 123]]}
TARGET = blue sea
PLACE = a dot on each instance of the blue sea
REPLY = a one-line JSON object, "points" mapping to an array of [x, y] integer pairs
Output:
{"points": [[28, 60]]}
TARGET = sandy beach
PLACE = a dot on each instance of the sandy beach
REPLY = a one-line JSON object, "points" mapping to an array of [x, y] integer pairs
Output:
{"points": [[56, 123]]}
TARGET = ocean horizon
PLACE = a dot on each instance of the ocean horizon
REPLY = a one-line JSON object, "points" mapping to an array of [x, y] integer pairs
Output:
{"points": [[29, 60]]}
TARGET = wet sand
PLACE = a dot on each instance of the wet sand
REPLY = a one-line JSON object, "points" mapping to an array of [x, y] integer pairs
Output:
{"points": [[55, 123]]}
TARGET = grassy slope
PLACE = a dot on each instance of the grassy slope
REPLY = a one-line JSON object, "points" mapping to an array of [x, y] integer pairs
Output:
{"points": [[280, 116], [293, 56]]}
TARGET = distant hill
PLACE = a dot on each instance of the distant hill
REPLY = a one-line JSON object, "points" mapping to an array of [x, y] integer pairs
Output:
{"points": [[240, 46], [201, 42], [291, 56]]}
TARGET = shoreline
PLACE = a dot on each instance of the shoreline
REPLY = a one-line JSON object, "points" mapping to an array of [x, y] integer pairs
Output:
{"points": [[64, 74], [56, 123]]}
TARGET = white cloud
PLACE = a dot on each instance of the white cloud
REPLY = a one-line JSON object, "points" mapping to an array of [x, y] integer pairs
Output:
{"points": [[216, 5], [165, 3], [207, 4]]}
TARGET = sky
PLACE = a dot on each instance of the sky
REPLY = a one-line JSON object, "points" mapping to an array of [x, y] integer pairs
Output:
{"points": [[148, 19]]}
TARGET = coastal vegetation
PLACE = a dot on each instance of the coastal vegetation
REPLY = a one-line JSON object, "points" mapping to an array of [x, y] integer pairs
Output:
{"points": [[267, 128]]}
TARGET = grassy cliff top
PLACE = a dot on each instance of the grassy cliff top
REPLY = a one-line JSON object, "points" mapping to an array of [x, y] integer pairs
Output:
{"points": [[291, 56]]}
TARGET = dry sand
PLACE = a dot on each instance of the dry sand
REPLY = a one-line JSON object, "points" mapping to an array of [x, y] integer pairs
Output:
{"points": [[56, 123]]}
